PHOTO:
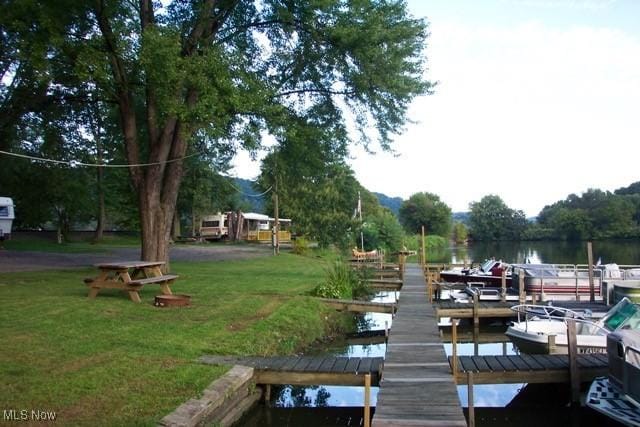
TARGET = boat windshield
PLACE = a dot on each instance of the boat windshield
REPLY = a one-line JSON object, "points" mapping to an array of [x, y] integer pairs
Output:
{"points": [[487, 265], [624, 315]]}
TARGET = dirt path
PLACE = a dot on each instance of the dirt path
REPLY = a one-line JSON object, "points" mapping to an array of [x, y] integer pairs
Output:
{"points": [[13, 261]]}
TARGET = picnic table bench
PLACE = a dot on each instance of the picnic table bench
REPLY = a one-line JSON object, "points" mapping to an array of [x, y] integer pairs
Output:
{"points": [[130, 276]]}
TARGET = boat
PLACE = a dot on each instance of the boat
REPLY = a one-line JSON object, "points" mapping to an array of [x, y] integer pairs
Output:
{"points": [[558, 281], [533, 333], [489, 272], [468, 294], [618, 394]]}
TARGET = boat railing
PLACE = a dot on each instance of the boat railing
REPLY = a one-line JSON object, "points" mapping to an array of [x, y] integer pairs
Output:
{"points": [[533, 312], [546, 312]]}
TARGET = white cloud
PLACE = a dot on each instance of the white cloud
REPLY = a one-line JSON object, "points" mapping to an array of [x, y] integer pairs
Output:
{"points": [[528, 112]]}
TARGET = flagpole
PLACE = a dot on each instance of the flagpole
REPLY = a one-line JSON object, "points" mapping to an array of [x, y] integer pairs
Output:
{"points": [[360, 213]]}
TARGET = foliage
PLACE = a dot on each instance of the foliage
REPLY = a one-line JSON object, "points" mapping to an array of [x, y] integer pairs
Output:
{"points": [[492, 219], [460, 232], [318, 194], [301, 246], [214, 76], [594, 215], [342, 282], [383, 231], [426, 209]]}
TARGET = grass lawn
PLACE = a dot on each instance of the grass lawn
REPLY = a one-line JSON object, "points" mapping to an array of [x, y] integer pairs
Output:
{"points": [[110, 361], [78, 243]]}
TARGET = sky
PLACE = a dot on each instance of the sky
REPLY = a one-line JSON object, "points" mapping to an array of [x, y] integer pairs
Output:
{"points": [[536, 100]]}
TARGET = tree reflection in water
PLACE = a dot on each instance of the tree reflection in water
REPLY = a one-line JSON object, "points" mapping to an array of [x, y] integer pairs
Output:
{"points": [[302, 397]]}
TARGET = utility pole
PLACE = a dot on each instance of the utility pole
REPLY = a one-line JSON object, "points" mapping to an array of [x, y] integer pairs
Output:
{"points": [[276, 213], [276, 225]]}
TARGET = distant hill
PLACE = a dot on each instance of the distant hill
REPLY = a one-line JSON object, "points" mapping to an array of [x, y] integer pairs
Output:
{"points": [[256, 204], [462, 217], [393, 203]]}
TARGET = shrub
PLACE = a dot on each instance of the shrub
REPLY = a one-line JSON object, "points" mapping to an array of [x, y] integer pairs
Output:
{"points": [[301, 246], [342, 282]]}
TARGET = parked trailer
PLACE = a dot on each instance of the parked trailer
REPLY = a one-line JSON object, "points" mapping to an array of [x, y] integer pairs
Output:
{"points": [[7, 215], [214, 227]]}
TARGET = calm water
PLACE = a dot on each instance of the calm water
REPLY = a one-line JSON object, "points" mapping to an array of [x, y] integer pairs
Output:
{"points": [[610, 251], [495, 405]]}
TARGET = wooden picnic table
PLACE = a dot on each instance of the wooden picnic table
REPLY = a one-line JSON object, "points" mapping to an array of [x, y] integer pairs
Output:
{"points": [[130, 276]]}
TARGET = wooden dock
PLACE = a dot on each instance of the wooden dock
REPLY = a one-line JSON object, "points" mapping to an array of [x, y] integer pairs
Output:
{"points": [[460, 310], [306, 370], [523, 368], [417, 387], [358, 306], [390, 285]]}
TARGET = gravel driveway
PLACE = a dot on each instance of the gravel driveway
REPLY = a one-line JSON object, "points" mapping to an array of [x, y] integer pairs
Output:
{"points": [[12, 261]]}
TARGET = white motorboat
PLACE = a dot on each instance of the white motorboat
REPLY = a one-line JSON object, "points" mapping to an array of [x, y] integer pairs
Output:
{"points": [[544, 328], [618, 395]]}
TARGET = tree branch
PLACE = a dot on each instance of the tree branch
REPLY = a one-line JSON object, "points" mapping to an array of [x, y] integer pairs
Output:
{"points": [[123, 95], [147, 20]]}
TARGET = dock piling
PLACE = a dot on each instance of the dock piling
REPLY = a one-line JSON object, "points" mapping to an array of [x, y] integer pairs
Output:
{"points": [[367, 400], [574, 373], [472, 416]]}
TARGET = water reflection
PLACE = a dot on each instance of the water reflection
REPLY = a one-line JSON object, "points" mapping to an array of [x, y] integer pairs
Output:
{"points": [[560, 252]]}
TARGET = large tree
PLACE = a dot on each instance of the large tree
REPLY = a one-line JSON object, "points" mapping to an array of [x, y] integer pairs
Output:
{"points": [[492, 219], [426, 209], [223, 72]]}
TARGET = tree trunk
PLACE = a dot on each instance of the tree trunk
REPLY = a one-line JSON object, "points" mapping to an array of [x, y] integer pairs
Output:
{"points": [[176, 225], [101, 209]]}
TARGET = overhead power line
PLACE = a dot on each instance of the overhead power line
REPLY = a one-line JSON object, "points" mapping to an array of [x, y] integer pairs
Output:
{"points": [[75, 163]]}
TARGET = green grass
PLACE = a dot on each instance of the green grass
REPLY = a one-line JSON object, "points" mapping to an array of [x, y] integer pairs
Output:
{"points": [[110, 361], [46, 242]]}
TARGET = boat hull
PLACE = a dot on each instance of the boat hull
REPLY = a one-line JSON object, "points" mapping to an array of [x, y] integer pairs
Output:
{"points": [[534, 339], [453, 277]]}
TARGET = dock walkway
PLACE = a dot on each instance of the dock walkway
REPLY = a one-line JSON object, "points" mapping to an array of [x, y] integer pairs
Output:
{"points": [[524, 368], [306, 370], [417, 387]]}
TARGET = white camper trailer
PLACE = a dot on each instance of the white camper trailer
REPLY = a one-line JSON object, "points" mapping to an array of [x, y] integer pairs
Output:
{"points": [[7, 215]]}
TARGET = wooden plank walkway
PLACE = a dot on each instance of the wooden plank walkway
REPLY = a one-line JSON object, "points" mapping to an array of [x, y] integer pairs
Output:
{"points": [[359, 306], [417, 388], [306, 370], [524, 368], [459, 310]]}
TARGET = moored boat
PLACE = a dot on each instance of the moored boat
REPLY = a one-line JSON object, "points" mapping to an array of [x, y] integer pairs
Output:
{"points": [[532, 334], [489, 272], [558, 281], [618, 395]]}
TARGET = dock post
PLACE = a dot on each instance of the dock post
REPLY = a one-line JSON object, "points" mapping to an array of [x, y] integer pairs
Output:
{"points": [[424, 253], [476, 317], [573, 360], [367, 405], [454, 349], [592, 295], [503, 291], [267, 394], [522, 295], [472, 415], [551, 343]]}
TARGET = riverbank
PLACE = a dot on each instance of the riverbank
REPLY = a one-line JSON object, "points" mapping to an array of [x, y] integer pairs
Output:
{"points": [[110, 361]]}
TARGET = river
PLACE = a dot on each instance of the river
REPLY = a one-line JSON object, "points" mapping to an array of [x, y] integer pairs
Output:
{"points": [[495, 405]]}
